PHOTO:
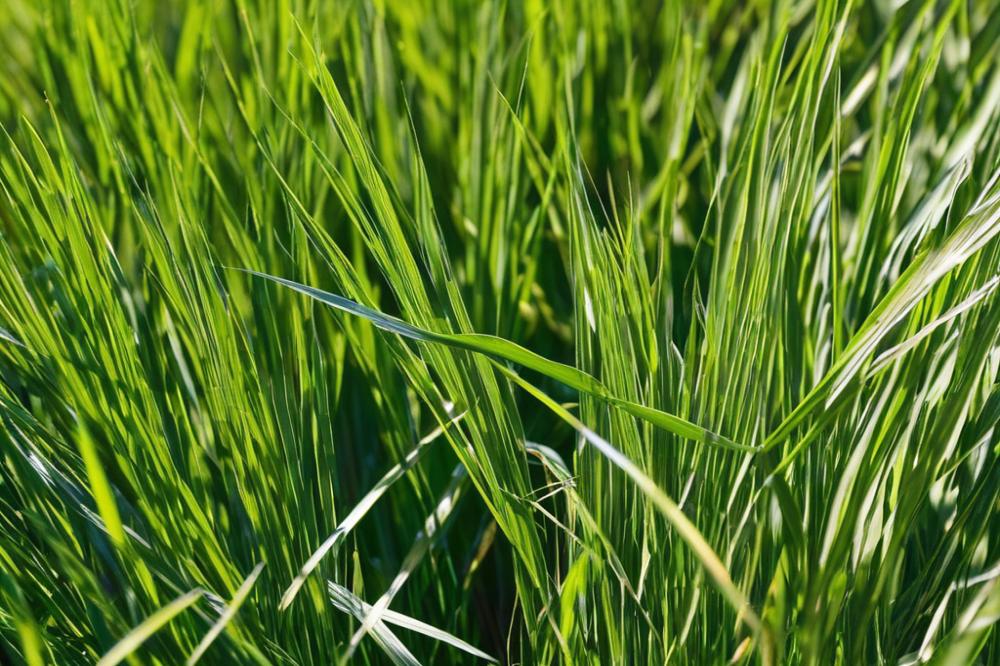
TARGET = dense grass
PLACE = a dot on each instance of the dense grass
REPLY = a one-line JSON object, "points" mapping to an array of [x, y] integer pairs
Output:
{"points": [[662, 332]]}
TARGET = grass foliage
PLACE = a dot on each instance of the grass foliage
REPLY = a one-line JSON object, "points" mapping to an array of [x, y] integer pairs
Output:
{"points": [[661, 332]]}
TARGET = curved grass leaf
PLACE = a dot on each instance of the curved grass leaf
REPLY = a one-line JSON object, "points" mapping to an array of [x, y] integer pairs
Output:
{"points": [[510, 351]]}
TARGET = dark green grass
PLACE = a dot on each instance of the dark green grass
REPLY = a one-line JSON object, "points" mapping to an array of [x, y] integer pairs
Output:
{"points": [[662, 332]]}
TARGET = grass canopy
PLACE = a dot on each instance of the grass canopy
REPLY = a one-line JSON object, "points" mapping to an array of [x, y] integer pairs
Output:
{"points": [[542, 332]]}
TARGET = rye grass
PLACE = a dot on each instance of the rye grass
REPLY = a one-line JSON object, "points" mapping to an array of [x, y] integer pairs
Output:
{"points": [[661, 332]]}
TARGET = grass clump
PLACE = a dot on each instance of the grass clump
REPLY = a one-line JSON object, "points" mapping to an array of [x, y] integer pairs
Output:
{"points": [[661, 332]]}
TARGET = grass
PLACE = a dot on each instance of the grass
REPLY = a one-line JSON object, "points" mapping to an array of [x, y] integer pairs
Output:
{"points": [[441, 331]]}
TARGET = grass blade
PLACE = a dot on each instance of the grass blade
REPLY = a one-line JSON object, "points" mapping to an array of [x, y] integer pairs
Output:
{"points": [[231, 609], [507, 350], [135, 638]]}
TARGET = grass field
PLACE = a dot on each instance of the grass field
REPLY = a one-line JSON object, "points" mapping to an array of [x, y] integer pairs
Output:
{"points": [[530, 331]]}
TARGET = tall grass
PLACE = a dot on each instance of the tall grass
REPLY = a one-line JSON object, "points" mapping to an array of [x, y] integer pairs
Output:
{"points": [[661, 332]]}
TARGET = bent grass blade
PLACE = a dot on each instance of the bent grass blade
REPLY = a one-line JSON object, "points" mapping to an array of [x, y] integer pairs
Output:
{"points": [[509, 351]]}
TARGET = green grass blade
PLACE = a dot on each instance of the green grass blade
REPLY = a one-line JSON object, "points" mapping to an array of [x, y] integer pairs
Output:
{"points": [[227, 615], [507, 350], [135, 638]]}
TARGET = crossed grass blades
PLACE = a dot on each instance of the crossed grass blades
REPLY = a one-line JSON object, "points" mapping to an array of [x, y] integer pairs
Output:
{"points": [[662, 332]]}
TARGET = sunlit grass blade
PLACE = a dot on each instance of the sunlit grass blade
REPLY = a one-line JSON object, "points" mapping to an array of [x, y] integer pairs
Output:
{"points": [[135, 638], [421, 544], [227, 616], [344, 600], [507, 350], [395, 473]]}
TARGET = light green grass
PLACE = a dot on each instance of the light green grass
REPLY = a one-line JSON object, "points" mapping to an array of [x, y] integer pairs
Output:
{"points": [[661, 332]]}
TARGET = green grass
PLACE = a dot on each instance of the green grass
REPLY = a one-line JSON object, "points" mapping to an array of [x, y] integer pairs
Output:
{"points": [[661, 332]]}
